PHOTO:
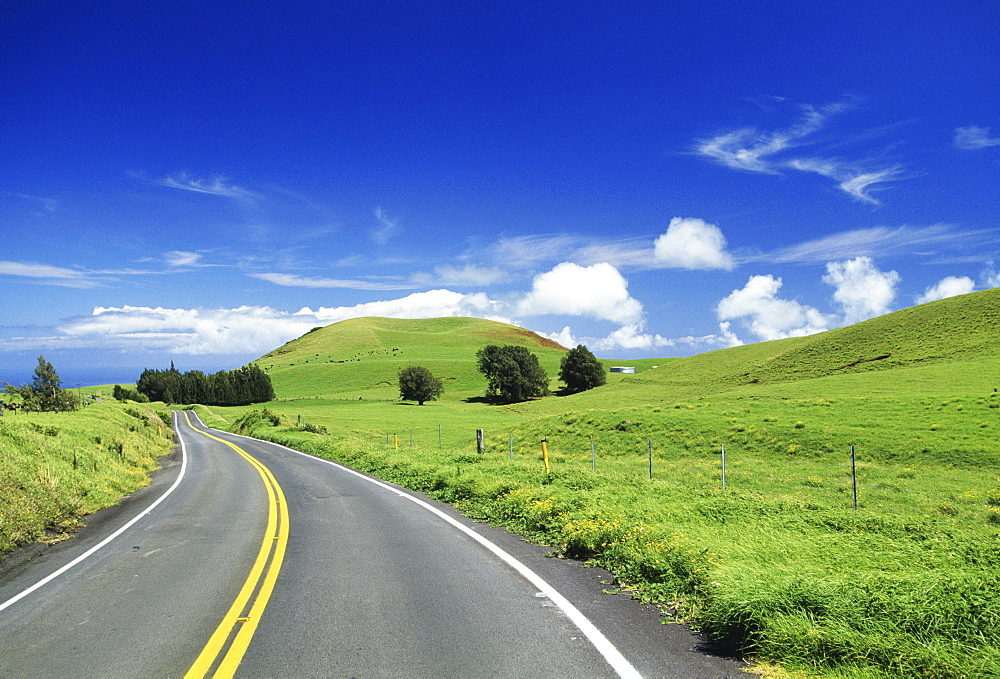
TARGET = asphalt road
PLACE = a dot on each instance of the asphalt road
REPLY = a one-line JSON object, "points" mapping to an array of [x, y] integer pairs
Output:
{"points": [[266, 562]]}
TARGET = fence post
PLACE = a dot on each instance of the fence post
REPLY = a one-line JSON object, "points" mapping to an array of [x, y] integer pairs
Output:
{"points": [[480, 442], [854, 479], [511, 453], [411, 438], [723, 466], [395, 441], [649, 451], [439, 437], [545, 456], [593, 457]]}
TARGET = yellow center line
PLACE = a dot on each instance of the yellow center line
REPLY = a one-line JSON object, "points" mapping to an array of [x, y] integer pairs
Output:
{"points": [[267, 564]]}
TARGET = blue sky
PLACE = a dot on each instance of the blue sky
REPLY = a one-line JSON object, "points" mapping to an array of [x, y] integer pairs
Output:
{"points": [[201, 182]]}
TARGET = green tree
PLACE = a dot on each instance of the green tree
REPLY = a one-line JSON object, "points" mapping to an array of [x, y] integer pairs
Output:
{"points": [[416, 383], [513, 373], [45, 391], [580, 370]]}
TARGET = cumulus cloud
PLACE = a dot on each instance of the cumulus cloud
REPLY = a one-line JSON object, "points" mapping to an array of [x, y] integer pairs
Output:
{"points": [[861, 289], [693, 244], [246, 329], [990, 276], [974, 137], [766, 315], [949, 286], [564, 337], [430, 304], [598, 291]]}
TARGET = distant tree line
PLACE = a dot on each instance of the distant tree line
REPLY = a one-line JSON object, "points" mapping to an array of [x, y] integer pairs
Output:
{"points": [[240, 387]]}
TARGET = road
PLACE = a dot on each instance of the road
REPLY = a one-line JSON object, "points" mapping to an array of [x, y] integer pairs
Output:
{"points": [[260, 561]]}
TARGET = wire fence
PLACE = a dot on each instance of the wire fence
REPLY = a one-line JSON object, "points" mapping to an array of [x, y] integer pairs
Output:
{"points": [[857, 479]]}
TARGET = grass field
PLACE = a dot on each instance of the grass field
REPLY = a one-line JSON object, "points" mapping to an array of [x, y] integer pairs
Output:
{"points": [[55, 468], [779, 564]]}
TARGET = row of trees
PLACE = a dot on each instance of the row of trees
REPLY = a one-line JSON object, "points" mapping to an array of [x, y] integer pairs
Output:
{"points": [[512, 374], [243, 386]]}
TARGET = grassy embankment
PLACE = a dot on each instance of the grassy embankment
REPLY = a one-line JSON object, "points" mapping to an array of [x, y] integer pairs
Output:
{"points": [[778, 564], [55, 468]]}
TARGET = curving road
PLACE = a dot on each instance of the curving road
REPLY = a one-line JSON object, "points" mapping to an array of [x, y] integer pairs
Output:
{"points": [[264, 562]]}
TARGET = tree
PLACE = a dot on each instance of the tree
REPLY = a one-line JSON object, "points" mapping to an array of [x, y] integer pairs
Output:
{"points": [[416, 383], [45, 391], [512, 373], [581, 370]]}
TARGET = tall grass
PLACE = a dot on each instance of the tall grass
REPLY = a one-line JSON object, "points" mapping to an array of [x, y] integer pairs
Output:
{"points": [[55, 468]]}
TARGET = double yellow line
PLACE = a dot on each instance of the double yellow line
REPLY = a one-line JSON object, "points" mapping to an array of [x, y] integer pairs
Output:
{"points": [[230, 640]]}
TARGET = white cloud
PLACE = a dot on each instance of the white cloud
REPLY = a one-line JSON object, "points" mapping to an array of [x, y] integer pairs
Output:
{"points": [[430, 304], [598, 291], [748, 149], [470, 274], [769, 153], [693, 244], [990, 276], [564, 338], [50, 275], [217, 186], [949, 286], [388, 228], [246, 329], [861, 289], [974, 137], [181, 258], [766, 315], [294, 281], [850, 178], [866, 242]]}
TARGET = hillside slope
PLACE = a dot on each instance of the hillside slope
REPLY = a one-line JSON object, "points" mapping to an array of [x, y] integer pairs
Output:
{"points": [[962, 332], [360, 358]]}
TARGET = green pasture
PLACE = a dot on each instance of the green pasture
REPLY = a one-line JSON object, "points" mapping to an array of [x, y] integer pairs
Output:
{"points": [[778, 564]]}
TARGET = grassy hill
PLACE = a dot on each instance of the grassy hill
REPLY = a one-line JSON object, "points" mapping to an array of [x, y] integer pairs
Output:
{"points": [[361, 357]]}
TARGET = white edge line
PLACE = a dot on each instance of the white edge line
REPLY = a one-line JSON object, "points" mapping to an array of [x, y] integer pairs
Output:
{"points": [[618, 662], [52, 576]]}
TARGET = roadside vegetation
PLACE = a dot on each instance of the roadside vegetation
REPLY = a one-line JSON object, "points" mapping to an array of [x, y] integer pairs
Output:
{"points": [[57, 467]]}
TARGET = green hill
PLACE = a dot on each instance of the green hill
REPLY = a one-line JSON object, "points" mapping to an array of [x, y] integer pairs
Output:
{"points": [[954, 342], [361, 357]]}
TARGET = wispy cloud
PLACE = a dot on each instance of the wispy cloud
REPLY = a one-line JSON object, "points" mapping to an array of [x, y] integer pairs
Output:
{"points": [[388, 228], [882, 241], [50, 275], [180, 258], [751, 150], [295, 281], [470, 274], [974, 137], [217, 186]]}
